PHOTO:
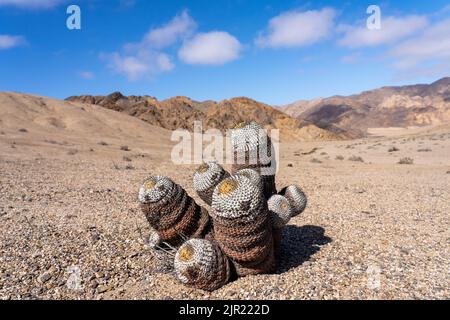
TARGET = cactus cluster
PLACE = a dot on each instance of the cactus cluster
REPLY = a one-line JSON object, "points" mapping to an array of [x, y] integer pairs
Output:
{"points": [[240, 233]]}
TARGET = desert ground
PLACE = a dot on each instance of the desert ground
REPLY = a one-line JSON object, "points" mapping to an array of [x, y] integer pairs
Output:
{"points": [[69, 174]]}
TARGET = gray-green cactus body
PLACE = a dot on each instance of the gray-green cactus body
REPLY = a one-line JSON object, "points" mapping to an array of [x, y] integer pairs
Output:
{"points": [[296, 197], [200, 263], [242, 225], [171, 211], [206, 178]]}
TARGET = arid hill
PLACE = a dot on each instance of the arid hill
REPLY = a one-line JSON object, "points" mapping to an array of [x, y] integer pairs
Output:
{"points": [[181, 112], [415, 105], [53, 120]]}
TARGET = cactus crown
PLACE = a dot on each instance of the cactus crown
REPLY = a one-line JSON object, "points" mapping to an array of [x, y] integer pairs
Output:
{"points": [[252, 175], [227, 187], [186, 253], [236, 196], [194, 260], [207, 176], [150, 184], [154, 189], [297, 199]]}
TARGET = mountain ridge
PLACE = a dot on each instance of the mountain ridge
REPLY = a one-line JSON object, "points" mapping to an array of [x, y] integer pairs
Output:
{"points": [[181, 112], [389, 106]]}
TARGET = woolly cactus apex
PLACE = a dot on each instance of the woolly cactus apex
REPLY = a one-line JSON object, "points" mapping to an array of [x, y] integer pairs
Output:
{"points": [[171, 211], [296, 198], [242, 225], [201, 264], [235, 197], [252, 149], [206, 178], [280, 211], [253, 176], [245, 139], [155, 189]]}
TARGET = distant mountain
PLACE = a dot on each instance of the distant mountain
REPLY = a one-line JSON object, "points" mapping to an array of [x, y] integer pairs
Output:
{"points": [[403, 106], [181, 112]]}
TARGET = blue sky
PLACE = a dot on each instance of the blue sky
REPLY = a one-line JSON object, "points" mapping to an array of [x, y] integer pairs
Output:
{"points": [[273, 51]]}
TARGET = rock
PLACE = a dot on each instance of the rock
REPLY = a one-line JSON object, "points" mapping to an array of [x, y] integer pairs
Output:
{"points": [[43, 278], [104, 288]]}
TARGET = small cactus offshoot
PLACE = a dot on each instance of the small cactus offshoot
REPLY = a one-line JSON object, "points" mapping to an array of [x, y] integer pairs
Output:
{"points": [[201, 263]]}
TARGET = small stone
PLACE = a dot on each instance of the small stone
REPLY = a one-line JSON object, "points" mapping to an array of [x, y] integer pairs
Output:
{"points": [[93, 284], [43, 278], [104, 288]]}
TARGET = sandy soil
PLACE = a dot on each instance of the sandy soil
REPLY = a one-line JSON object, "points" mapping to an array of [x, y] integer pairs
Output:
{"points": [[375, 229]]}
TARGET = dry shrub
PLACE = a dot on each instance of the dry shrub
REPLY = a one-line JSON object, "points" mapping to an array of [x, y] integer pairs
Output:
{"points": [[406, 161]]}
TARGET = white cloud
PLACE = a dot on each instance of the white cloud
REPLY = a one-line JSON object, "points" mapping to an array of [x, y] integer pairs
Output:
{"points": [[425, 54], [87, 75], [8, 41], [144, 58], [297, 28], [31, 4], [211, 48], [392, 29], [180, 26], [143, 64]]}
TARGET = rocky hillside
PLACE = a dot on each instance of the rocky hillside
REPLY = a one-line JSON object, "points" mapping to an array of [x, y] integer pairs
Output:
{"points": [[415, 105], [181, 112]]}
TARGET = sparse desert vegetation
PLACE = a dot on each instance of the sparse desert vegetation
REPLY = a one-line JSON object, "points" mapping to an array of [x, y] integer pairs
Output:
{"points": [[356, 159], [72, 152], [393, 149], [406, 160]]}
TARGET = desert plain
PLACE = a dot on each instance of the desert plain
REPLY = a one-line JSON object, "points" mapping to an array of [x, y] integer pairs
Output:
{"points": [[376, 225]]}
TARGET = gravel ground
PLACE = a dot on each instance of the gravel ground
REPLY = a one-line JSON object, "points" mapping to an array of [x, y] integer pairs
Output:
{"points": [[70, 225]]}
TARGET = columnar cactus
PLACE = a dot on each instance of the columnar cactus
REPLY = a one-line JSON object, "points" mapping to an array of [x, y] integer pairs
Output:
{"points": [[171, 211], [206, 178], [252, 149], [296, 198], [201, 264], [242, 225], [242, 233]]}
